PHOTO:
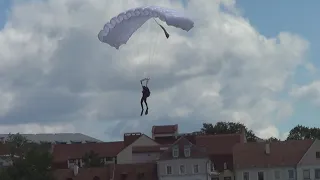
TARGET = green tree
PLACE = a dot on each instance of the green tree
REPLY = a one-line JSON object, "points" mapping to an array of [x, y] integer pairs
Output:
{"points": [[272, 139], [92, 159], [30, 161], [228, 128], [302, 132]]}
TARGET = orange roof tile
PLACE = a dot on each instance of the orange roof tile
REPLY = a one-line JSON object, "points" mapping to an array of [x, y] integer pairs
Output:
{"points": [[219, 144], [63, 152], [283, 153]]}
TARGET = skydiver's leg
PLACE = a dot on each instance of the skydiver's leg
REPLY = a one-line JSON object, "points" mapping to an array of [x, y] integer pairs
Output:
{"points": [[147, 110], [141, 102]]}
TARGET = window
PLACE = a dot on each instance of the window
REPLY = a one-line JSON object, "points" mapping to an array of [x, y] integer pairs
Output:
{"points": [[260, 175], [277, 174], [318, 154], [195, 168], [227, 178], [291, 174], [317, 173], [175, 152], [215, 178], [182, 169], [246, 176], [306, 174], [169, 170], [187, 151]]}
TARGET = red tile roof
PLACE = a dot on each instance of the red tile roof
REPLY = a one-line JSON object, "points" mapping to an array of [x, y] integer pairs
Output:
{"points": [[284, 153], [132, 171], [195, 152], [166, 129], [219, 144], [4, 149], [63, 152]]}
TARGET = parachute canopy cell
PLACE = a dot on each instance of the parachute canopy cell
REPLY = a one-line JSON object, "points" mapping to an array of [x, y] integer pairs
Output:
{"points": [[120, 28]]}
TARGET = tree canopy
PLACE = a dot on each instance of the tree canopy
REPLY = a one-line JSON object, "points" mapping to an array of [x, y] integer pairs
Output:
{"points": [[228, 128], [30, 161], [92, 159], [297, 133]]}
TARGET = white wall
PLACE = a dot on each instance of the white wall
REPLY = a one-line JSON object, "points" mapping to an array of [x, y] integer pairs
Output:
{"points": [[125, 156], [269, 173], [175, 163], [145, 157], [312, 171]]}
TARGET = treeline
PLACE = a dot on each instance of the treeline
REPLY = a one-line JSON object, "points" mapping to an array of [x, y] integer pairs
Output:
{"points": [[297, 133], [26, 160]]}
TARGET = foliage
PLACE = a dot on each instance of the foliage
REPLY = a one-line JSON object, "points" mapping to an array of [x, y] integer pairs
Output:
{"points": [[92, 159], [302, 132], [228, 128], [30, 161], [273, 139]]}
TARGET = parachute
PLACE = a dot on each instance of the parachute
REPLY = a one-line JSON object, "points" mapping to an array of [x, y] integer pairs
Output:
{"points": [[120, 28]]}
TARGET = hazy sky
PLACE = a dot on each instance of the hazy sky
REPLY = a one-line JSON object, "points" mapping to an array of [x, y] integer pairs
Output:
{"points": [[256, 63]]}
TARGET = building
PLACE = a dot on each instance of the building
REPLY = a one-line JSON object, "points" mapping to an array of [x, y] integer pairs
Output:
{"points": [[200, 156], [270, 161], [183, 160], [144, 171], [67, 155], [309, 165], [58, 138]]}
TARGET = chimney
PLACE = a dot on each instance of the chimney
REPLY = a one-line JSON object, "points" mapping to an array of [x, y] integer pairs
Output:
{"points": [[129, 138], [267, 148], [243, 134], [75, 170]]}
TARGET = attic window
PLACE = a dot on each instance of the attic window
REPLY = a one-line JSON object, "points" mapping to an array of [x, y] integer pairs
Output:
{"points": [[318, 154], [187, 151], [175, 151]]}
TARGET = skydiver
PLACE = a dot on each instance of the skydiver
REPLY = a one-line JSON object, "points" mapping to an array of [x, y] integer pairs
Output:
{"points": [[145, 95]]}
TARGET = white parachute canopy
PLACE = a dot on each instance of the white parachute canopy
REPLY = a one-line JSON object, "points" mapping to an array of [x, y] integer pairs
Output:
{"points": [[120, 28]]}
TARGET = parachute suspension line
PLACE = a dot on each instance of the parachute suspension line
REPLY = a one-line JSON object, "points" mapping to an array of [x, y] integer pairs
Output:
{"points": [[154, 48], [164, 30]]}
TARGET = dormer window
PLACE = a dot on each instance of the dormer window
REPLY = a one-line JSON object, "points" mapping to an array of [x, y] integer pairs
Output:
{"points": [[175, 151], [187, 151]]}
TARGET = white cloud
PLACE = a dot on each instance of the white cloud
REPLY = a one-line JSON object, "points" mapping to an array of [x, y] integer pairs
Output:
{"points": [[54, 69], [308, 92]]}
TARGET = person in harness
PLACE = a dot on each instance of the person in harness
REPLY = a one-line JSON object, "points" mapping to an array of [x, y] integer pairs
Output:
{"points": [[145, 94]]}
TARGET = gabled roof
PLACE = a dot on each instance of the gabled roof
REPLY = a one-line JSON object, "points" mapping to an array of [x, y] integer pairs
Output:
{"points": [[283, 153], [56, 137], [63, 152], [219, 144], [172, 139], [195, 152], [166, 129], [131, 171]]}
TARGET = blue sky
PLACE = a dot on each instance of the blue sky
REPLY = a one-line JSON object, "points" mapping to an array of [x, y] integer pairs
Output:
{"points": [[4, 7], [270, 18]]}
